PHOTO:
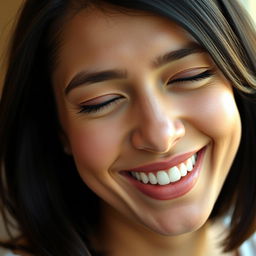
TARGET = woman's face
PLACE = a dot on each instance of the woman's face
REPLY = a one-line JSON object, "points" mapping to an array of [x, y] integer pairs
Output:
{"points": [[138, 98]]}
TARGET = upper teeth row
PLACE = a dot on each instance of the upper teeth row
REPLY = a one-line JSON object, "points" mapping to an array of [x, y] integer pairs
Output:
{"points": [[164, 177]]}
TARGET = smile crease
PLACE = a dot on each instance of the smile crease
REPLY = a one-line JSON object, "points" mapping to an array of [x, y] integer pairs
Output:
{"points": [[164, 177]]}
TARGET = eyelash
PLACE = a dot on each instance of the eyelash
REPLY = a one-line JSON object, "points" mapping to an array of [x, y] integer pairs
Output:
{"points": [[97, 107], [200, 76]]}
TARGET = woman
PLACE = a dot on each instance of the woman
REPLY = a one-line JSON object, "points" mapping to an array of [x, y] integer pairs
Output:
{"points": [[127, 128]]}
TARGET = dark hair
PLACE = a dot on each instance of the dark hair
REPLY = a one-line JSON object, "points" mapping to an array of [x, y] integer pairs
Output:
{"points": [[40, 187]]}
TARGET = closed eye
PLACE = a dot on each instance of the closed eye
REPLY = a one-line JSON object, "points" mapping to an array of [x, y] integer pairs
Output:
{"points": [[98, 107], [197, 77], [93, 108]]}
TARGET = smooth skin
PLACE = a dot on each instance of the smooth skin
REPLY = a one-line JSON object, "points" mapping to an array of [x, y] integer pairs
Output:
{"points": [[154, 114]]}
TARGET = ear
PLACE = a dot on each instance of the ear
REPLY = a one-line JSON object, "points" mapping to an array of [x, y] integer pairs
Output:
{"points": [[65, 143]]}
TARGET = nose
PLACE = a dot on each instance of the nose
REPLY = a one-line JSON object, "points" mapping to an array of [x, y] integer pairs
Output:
{"points": [[156, 129]]}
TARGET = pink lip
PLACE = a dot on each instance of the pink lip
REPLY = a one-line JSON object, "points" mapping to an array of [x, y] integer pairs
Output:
{"points": [[173, 161], [172, 190]]}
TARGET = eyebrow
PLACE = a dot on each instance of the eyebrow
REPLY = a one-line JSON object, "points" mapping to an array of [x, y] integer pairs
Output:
{"points": [[86, 78], [191, 48]]}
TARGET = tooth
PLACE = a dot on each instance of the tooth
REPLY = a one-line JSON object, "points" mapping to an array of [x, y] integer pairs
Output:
{"points": [[137, 176], [152, 178], [189, 165], [174, 174], [162, 178], [183, 169], [193, 159], [133, 175], [144, 177]]}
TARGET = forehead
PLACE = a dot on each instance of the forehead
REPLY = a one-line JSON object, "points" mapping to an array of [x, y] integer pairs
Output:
{"points": [[95, 39]]}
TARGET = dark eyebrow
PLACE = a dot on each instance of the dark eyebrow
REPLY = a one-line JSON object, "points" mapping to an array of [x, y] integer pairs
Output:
{"points": [[178, 54], [85, 78]]}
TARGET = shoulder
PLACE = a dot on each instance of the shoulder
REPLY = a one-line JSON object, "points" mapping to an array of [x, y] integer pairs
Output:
{"points": [[248, 248], [10, 254], [13, 253]]}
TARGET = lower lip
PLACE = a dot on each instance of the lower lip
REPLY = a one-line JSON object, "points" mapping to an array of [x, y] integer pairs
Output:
{"points": [[172, 190]]}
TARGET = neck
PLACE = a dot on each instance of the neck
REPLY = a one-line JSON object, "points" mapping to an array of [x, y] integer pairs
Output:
{"points": [[120, 236]]}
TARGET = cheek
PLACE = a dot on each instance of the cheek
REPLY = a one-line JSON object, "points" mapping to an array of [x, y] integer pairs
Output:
{"points": [[215, 113], [94, 145]]}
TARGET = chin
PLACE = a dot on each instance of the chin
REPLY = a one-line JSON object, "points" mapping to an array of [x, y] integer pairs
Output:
{"points": [[177, 224]]}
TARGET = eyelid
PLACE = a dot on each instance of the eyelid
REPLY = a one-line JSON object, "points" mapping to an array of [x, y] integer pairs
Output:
{"points": [[92, 108], [191, 74], [99, 100]]}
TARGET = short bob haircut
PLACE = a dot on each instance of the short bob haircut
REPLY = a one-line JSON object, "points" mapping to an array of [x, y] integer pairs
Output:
{"points": [[40, 188]]}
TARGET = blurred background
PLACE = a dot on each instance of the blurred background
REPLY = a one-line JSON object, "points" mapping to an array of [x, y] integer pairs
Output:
{"points": [[8, 10]]}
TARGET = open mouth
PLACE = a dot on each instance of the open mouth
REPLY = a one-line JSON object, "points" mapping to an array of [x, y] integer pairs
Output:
{"points": [[165, 177], [168, 182]]}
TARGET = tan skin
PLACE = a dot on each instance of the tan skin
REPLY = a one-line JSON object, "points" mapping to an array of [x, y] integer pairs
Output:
{"points": [[152, 118]]}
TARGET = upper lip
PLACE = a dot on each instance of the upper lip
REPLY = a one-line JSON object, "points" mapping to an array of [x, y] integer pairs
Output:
{"points": [[164, 165]]}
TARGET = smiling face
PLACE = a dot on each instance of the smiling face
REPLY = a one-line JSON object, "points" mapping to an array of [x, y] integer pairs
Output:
{"points": [[138, 98]]}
